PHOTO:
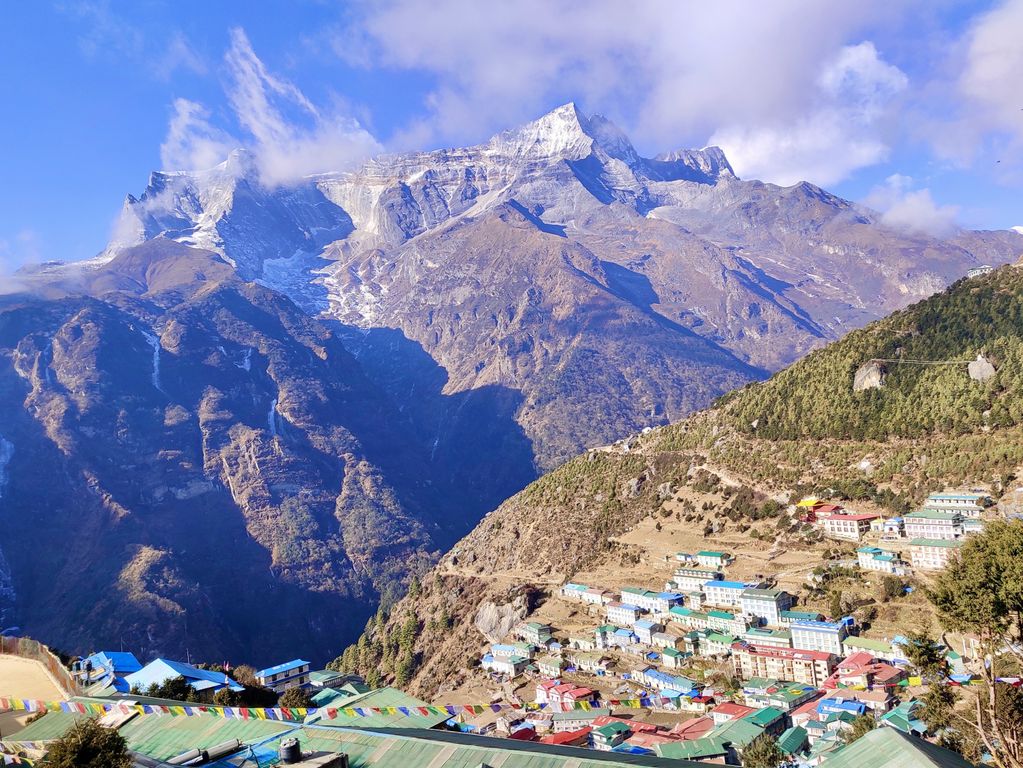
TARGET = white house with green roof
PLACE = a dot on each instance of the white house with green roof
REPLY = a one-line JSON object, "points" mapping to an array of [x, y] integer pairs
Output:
{"points": [[933, 524], [879, 649], [932, 554], [966, 503], [711, 559], [765, 603], [881, 561]]}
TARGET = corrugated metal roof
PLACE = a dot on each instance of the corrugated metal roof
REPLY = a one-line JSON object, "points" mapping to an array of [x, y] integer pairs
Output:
{"points": [[163, 736], [52, 725], [887, 748]]}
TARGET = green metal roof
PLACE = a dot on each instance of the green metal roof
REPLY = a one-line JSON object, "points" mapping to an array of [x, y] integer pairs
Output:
{"points": [[163, 736], [931, 514], [738, 733], [708, 747], [887, 748], [793, 740], [764, 717], [855, 641], [52, 725], [953, 543]]}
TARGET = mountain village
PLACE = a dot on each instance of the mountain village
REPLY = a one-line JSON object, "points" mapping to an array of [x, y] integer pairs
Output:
{"points": [[698, 670]]}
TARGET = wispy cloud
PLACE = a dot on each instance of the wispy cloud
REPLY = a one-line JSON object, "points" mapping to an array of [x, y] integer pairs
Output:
{"points": [[192, 141], [16, 251], [911, 209], [289, 136]]}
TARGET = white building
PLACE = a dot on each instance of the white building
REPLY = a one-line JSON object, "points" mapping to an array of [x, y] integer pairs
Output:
{"points": [[847, 525], [932, 554], [692, 578], [966, 503], [712, 559], [765, 603], [720, 592], [931, 524], [875, 559], [623, 613], [818, 636]]}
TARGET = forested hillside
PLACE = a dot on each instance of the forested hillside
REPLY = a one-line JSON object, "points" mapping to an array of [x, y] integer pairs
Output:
{"points": [[923, 352]]}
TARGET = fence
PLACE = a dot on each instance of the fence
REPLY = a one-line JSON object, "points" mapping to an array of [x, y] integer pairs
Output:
{"points": [[27, 648]]}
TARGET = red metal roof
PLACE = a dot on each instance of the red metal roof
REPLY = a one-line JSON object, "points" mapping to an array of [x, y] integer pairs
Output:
{"points": [[732, 709], [567, 737]]}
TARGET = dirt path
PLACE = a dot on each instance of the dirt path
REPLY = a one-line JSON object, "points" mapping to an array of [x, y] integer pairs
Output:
{"points": [[24, 679]]}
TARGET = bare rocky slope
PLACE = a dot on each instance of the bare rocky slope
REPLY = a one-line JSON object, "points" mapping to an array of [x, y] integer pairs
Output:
{"points": [[192, 462], [801, 431]]}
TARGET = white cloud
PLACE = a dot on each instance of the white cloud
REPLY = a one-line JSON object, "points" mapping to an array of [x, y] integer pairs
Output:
{"points": [[290, 136], [192, 142], [911, 210], [671, 73], [840, 133]]}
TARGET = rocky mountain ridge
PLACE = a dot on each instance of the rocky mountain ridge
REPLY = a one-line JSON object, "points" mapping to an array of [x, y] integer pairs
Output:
{"points": [[399, 252]]}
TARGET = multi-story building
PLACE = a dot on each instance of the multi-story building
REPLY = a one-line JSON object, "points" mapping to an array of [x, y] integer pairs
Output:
{"points": [[819, 636], [932, 554], [712, 559], [691, 578], [689, 618], [648, 600], [723, 621], [771, 638], [623, 613], [931, 524], [966, 503], [291, 674], [846, 525], [875, 559], [534, 632], [727, 593], [789, 617], [645, 629], [765, 603], [810, 667]]}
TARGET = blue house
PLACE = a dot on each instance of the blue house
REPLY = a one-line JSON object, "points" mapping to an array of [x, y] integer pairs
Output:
{"points": [[291, 674], [109, 668], [160, 671]]}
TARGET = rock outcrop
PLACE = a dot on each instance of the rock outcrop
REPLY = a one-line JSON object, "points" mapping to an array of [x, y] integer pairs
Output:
{"points": [[870, 375], [981, 369]]}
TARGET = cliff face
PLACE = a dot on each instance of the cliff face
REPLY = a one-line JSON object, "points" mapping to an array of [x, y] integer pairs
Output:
{"points": [[192, 462]]}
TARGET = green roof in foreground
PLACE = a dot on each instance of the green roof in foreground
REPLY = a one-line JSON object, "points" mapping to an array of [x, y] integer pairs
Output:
{"points": [[887, 748]]}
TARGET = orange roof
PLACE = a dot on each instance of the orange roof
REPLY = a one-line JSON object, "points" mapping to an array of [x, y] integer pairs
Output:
{"points": [[693, 729], [567, 737]]}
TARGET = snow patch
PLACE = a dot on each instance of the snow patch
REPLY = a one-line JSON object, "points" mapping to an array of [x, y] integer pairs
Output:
{"points": [[154, 341], [271, 418], [1017, 230]]}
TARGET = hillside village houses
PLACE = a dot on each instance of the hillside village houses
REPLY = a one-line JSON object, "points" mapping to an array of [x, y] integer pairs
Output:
{"points": [[803, 676]]}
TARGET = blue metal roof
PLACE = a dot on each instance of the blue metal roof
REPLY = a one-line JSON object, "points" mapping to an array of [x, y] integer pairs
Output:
{"points": [[120, 662], [725, 584], [293, 664], [829, 626], [161, 670]]}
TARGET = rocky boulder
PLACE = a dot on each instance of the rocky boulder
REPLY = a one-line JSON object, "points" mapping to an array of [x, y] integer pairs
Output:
{"points": [[981, 369], [870, 375]]}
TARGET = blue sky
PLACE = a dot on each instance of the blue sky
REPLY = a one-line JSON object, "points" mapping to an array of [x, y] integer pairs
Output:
{"points": [[913, 107]]}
